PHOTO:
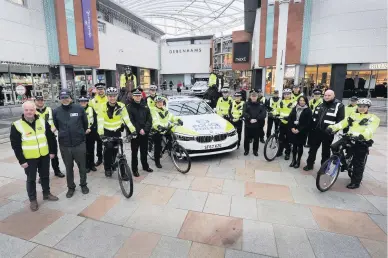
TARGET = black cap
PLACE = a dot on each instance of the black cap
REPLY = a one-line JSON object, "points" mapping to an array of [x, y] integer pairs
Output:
{"points": [[39, 96], [100, 85], [317, 91], [296, 86], [65, 93], [237, 94], [136, 92], [259, 91], [354, 98], [276, 91], [83, 98], [254, 91]]}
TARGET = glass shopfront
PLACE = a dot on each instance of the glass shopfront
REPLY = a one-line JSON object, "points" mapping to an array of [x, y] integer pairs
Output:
{"points": [[366, 83], [145, 78]]}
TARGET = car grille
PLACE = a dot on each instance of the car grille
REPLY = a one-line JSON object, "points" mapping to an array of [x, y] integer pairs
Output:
{"points": [[204, 139], [220, 137], [210, 138]]}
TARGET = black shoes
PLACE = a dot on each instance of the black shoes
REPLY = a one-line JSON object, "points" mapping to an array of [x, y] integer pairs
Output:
{"points": [[87, 170], [34, 205], [256, 154], [308, 168], [50, 197], [93, 168], [262, 140], [108, 173], [297, 164], [84, 189], [353, 186], [246, 153], [70, 193], [293, 162], [58, 173], [99, 162], [135, 173], [158, 165], [149, 170], [287, 157]]}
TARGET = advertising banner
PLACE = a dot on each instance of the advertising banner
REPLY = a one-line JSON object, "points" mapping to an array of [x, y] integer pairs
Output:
{"points": [[241, 53], [70, 24], [87, 21]]}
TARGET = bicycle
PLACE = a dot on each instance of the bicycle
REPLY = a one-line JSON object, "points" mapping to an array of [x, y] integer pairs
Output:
{"points": [[272, 144], [176, 152], [340, 160], [124, 174]]}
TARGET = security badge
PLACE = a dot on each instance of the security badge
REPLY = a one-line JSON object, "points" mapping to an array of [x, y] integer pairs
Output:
{"points": [[73, 114]]}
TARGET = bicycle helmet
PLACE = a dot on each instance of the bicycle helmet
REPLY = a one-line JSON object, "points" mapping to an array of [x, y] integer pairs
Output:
{"points": [[367, 102], [153, 87], [112, 91], [159, 99], [285, 91]]}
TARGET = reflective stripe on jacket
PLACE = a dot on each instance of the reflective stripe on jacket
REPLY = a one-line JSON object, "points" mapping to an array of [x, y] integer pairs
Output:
{"points": [[98, 102], [236, 111], [223, 106], [119, 117], [284, 109], [315, 103]]}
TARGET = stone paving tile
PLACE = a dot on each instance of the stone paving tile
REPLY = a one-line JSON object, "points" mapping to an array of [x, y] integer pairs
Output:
{"points": [[160, 178], [138, 245], [240, 254], [10, 208], [218, 204], [12, 170], [332, 245], [285, 213], [380, 220], [104, 186], [15, 224], [51, 235], [376, 249], [188, 200], [268, 191], [232, 163], [137, 188], [73, 205], [157, 219], [42, 251], [171, 247], [258, 237], [99, 207], [263, 165], [284, 178], [4, 202], [341, 221], [120, 213], [12, 247], [207, 184], [10, 189], [233, 188], [245, 174], [153, 194], [5, 180], [221, 172], [376, 188], [212, 229], [182, 181], [292, 242], [304, 180], [94, 239], [341, 183], [198, 170], [199, 250], [243, 207], [379, 202]]}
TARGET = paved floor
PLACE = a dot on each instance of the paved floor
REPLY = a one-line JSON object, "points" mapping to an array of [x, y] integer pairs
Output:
{"points": [[227, 206]]}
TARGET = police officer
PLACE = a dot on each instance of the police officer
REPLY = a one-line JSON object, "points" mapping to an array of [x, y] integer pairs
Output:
{"points": [[47, 114], [97, 103], [126, 77], [317, 100], [212, 79], [151, 97], [33, 143], [330, 112], [141, 119], [235, 114], [283, 110], [296, 93], [261, 99], [363, 125], [224, 103], [271, 107], [111, 119], [254, 112], [91, 133]]}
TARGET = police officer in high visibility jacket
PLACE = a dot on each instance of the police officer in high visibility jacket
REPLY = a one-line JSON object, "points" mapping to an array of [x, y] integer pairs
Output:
{"points": [[283, 110], [272, 104], [97, 103], [352, 107], [33, 143], [212, 79], [151, 97], [224, 103], [235, 114], [47, 114], [363, 125], [126, 77], [262, 100], [296, 93], [317, 100], [91, 133], [110, 120], [161, 120]]}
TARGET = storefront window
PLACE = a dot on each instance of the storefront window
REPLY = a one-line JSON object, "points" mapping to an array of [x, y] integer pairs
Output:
{"points": [[318, 75], [366, 83], [145, 78]]}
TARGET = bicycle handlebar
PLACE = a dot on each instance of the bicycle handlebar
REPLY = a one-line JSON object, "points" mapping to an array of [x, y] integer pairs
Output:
{"points": [[115, 138]]}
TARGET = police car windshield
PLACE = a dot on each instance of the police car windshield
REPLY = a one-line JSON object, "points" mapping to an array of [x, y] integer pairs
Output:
{"points": [[189, 108]]}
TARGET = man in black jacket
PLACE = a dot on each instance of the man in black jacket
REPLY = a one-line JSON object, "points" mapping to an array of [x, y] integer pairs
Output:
{"points": [[140, 116], [330, 112], [254, 113], [72, 125]]}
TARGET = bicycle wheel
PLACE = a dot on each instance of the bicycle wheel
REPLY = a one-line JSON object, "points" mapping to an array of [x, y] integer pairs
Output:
{"points": [[125, 179], [180, 158], [328, 173], [150, 151], [271, 148]]}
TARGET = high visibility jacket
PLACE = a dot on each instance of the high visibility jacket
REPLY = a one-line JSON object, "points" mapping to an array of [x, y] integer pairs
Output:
{"points": [[151, 101], [98, 102], [315, 103], [46, 114], [162, 117], [90, 115], [34, 143], [295, 97], [212, 80], [349, 110], [359, 124], [262, 100], [273, 104], [284, 109], [236, 110], [120, 116], [223, 106], [123, 80]]}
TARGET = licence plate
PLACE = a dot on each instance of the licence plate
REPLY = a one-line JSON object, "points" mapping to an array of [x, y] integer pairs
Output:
{"points": [[212, 146]]}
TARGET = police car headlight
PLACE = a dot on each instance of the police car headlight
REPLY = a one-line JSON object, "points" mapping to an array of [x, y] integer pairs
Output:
{"points": [[232, 133], [184, 137]]}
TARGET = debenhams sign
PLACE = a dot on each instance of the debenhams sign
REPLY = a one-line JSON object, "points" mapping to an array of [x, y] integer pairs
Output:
{"points": [[187, 50]]}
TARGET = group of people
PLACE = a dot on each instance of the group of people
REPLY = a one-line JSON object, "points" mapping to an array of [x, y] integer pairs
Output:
{"points": [[82, 126]]}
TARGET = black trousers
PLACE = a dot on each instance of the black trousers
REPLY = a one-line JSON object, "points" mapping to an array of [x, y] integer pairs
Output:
{"points": [[261, 130], [238, 125], [297, 151], [284, 143], [99, 147], [157, 138], [270, 123], [110, 149], [90, 141], [318, 137], [251, 133], [42, 166], [140, 142], [55, 161], [77, 154]]}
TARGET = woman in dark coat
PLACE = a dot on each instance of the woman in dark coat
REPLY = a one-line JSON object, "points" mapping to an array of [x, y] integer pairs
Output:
{"points": [[299, 123]]}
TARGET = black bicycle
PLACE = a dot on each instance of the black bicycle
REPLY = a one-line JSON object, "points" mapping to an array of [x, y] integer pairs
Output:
{"points": [[178, 154], [340, 161], [124, 172], [272, 144]]}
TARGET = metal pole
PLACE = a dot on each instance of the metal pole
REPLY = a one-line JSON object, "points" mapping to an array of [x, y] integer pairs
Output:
{"points": [[62, 74], [94, 76]]}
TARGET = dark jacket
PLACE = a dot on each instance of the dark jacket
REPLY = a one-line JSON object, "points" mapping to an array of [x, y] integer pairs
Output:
{"points": [[254, 110], [303, 126], [328, 113], [140, 116], [71, 122], [16, 140]]}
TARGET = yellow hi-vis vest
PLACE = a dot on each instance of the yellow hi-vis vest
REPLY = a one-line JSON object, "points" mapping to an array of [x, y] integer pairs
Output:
{"points": [[284, 109], [47, 115], [315, 103], [223, 106], [34, 143], [295, 97], [119, 117], [212, 80], [161, 116], [273, 104], [90, 116], [349, 110], [98, 102], [237, 110], [123, 81]]}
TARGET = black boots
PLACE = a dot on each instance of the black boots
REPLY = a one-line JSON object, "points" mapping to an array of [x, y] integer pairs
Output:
{"points": [[353, 186]]}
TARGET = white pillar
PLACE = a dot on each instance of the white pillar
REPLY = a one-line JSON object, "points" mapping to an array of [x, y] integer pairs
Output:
{"points": [[282, 43], [62, 74], [94, 76], [296, 76]]}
